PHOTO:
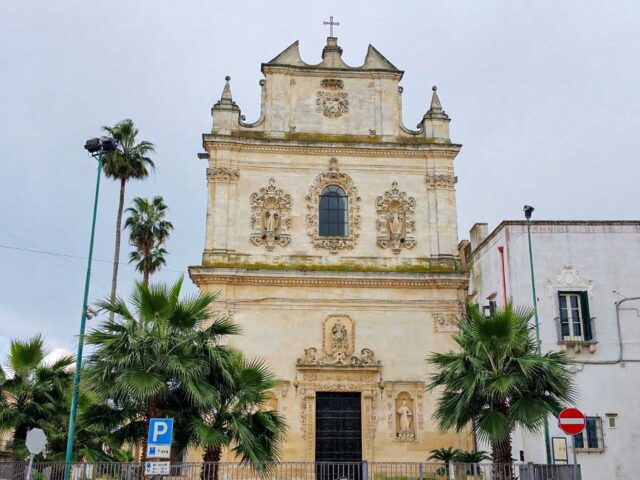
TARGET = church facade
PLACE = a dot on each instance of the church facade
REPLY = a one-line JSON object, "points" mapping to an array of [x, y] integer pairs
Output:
{"points": [[331, 238]]}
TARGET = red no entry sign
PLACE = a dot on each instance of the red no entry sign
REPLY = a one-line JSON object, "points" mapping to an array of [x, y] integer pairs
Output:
{"points": [[571, 421]]}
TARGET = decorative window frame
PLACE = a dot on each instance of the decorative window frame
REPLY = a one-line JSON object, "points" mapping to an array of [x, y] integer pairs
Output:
{"points": [[344, 181], [569, 280], [404, 239], [599, 448], [270, 197]]}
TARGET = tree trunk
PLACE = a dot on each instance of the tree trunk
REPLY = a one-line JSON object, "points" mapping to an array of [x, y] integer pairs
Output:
{"points": [[501, 452], [146, 265], [116, 253], [211, 463]]}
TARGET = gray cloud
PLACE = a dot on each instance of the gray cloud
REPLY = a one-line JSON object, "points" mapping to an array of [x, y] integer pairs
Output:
{"points": [[543, 95]]}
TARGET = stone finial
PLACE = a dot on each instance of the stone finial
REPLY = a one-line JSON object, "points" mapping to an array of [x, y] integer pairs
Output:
{"points": [[435, 122], [436, 107], [226, 101], [226, 91]]}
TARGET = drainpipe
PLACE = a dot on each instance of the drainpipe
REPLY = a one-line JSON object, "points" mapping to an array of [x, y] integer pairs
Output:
{"points": [[621, 358], [504, 282]]}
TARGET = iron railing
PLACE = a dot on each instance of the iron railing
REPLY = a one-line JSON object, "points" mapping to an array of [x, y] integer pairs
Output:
{"points": [[566, 338], [297, 471]]}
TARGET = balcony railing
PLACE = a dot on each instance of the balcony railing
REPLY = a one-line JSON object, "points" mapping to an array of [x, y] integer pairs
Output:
{"points": [[577, 341]]}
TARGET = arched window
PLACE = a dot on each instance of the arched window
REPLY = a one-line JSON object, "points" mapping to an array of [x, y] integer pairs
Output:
{"points": [[333, 212]]}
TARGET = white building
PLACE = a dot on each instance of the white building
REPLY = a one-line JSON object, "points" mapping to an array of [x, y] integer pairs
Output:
{"points": [[587, 274]]}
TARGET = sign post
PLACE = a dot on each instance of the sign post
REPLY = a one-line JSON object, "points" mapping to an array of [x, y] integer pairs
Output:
{"points": [[35, 442], [159, 446], [572, 422]]}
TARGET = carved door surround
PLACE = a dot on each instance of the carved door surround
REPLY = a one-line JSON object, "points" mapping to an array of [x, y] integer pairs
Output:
{"points": [[338, 369], [337, 379]]}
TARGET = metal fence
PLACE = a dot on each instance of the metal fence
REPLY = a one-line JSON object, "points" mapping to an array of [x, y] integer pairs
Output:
{"points": [[297, 471]]}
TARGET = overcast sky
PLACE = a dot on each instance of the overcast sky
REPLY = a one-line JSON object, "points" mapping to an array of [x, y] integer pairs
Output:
{"points": [[543, 95]]}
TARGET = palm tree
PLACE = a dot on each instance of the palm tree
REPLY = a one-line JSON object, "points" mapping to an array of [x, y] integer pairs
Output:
{"points": [[471, 457], [446, 455], [156, 345], [238, 419], [33, 390], [148, 232], [94, 442], [470, 461], [497, 380], [129, 161]]}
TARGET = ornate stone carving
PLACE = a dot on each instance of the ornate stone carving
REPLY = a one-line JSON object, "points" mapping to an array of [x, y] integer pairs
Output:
{"points": [[222, 174], [332, 84], [445, 182], [445, 322], [270, 403], [396, 220], [405, 423], [366, 359], [270, 221], [338, 339], [420, 402], [333, 177], [338, 344], [332, 102], [568, 278]]}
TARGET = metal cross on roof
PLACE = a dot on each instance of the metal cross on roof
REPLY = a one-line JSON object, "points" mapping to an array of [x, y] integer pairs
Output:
{"points": [[331, 23]]}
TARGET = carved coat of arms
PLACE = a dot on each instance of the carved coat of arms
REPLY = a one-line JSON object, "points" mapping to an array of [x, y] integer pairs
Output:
{"points": [[332, 102]]}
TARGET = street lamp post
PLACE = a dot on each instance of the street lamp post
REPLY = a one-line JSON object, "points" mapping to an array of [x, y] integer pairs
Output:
{"points": [[97, 148], [528, 211]]}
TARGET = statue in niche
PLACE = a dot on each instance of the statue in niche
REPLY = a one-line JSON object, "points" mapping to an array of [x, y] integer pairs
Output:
{"points": [[395, 222], [339, 332], [270, 216], [404, 416], [271, 219], [395, 219]]}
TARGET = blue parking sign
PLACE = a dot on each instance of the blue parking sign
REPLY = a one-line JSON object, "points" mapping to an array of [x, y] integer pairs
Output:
{"points": [[160, 431]]}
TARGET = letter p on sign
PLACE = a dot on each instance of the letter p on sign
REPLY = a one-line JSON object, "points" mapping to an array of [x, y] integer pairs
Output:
{"points": [[160, 431]]}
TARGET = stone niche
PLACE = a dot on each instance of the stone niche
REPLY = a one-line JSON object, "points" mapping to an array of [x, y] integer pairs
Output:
{"points": [[405, 410]]}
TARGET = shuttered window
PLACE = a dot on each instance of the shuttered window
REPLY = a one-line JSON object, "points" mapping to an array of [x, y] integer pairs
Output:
{"points": [[591, 439], [575, 319]]}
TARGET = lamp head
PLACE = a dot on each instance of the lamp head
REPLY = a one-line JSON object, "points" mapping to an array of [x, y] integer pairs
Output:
{"points": [[108, 144], [92, 145], [528, 210]]}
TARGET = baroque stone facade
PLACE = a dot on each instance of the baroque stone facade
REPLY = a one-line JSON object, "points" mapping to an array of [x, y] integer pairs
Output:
{"points": [[335, 256]]}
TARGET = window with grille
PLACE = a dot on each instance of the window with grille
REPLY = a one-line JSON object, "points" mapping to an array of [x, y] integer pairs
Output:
{"points": [[575, 321], [333, 212], [591, 438]]}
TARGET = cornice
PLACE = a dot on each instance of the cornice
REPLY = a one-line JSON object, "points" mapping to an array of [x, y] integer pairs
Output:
{"points": [[295, 278], [279, 146]]}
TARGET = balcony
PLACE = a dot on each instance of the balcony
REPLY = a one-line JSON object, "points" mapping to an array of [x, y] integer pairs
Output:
{"points": [[577, 343]]}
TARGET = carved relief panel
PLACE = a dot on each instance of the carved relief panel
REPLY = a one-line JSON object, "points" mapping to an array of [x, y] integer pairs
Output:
{"points": [[270, 221], [338, 345], [332, 101], [396, 222]]}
